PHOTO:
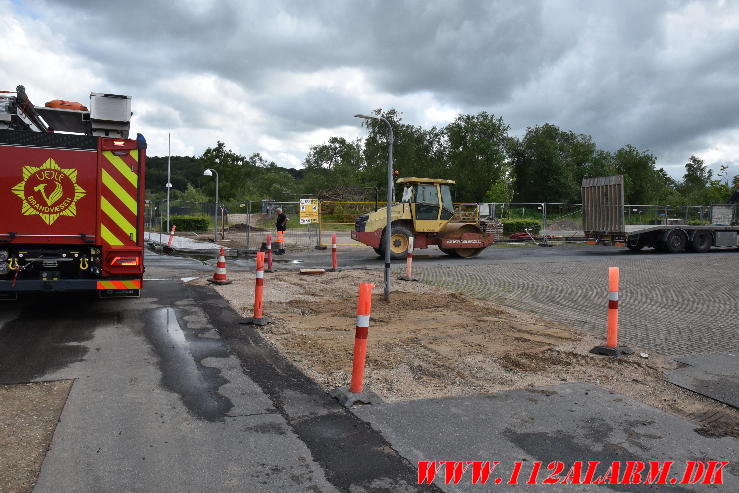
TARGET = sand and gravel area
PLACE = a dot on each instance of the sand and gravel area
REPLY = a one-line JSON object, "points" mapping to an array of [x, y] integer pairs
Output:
{"points": [[429, 342], [28, 417]]}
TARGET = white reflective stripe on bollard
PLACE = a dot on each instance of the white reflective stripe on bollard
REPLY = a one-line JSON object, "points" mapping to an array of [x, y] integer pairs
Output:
{"points": [[363, 320]]}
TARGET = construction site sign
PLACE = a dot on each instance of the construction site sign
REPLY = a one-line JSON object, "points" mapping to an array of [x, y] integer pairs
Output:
{"points": [[308, 211]]}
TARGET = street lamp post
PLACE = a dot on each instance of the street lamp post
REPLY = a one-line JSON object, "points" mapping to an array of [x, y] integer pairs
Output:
{"points": [[169, 181], [209, 172], [390, 194]]}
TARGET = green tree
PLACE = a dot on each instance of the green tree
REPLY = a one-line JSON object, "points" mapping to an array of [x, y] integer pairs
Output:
{"points": [[192, 194], [476, 154], [501, 190], [416, 151], [547, 163], [697, 176], [336, 162], [641, 178]]}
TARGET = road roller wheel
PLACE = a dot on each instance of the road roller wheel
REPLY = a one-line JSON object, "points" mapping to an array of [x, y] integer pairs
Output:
{"points": [[467, 252]]}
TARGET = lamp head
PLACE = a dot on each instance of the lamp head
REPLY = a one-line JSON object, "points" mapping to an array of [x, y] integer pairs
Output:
{"points": [[366, 117], [208, 172]]}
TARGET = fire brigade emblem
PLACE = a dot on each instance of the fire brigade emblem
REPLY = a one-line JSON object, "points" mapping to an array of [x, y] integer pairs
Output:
{"points": [[49, 191]]}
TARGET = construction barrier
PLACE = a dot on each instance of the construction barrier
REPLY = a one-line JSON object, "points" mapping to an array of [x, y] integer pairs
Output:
{"points": [[247, 221], [220, 277], [364, 306]]}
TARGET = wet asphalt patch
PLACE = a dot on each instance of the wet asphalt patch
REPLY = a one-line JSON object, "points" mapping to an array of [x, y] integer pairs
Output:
{"points": [[180, 353], [48, 334], [352, 454]]}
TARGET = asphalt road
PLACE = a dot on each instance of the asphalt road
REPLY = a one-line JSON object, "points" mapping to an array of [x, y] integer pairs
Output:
{"points": [[162, 401], [171, 393]]}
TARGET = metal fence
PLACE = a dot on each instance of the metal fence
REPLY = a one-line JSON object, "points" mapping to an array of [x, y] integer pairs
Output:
{"points": [[565, 220], [244, 225]]}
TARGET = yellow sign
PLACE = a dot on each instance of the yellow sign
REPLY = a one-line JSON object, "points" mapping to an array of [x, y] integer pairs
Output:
{"points": [[49, 191], [308, 211]]}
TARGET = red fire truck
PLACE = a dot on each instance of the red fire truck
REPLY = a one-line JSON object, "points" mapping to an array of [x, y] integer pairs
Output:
{"points": [[71, 196]]}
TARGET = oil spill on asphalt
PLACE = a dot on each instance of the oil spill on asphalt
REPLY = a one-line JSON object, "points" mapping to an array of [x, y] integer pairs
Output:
{"points": [[47, 334], [180, 355]]}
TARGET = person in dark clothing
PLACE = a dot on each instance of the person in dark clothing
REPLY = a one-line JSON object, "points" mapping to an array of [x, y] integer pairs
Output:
{"points": [[281, 227]]}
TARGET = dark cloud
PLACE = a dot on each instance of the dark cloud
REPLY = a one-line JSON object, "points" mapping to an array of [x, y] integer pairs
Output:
{"points": [[659, 75]]}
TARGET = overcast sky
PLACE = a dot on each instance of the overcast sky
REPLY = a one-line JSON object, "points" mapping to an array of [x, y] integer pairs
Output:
{"points": [[276, 77]]}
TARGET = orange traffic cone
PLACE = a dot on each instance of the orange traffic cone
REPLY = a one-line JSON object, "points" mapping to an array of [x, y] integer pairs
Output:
{"points": [[220, 275]]}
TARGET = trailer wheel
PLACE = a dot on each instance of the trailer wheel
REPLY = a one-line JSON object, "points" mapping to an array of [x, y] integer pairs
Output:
{"points": [[702, 241], [636, 246], [675, 242]]}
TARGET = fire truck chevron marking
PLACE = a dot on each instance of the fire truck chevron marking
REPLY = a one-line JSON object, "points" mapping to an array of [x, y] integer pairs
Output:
{"points": [[109, 237], [119, 284], [117, 218], [118, 204], [118, 190], [122, 167]]}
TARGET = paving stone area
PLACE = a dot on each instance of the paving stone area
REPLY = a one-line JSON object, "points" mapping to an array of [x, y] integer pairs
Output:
{"points": [[670, 304]]}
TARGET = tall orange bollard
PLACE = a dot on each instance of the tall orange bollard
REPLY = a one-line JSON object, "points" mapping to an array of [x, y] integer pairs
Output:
{"points": [[258, 318], [171, 235], [269, 253], [408, 263], [612, 338], [364, 305], [612, 348], [334, 259], [355, 392]]}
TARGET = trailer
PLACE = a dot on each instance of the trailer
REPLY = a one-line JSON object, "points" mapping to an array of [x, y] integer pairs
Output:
{"points": [[603, 222], [72, 203]]}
